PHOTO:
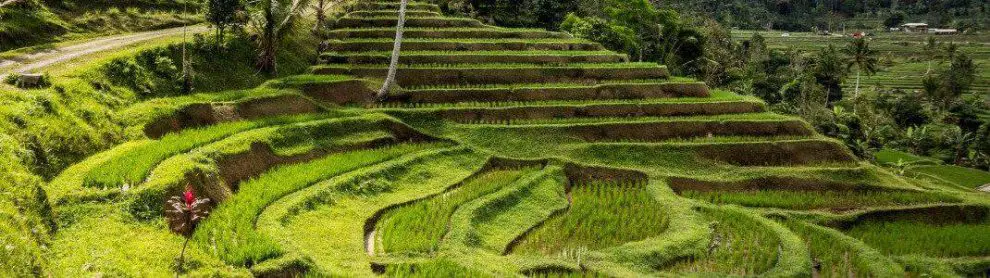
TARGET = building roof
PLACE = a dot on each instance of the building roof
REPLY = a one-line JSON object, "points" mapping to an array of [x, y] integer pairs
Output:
{"points": [[915, 24]]}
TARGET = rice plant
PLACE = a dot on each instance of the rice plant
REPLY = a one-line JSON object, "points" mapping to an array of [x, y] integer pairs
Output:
{"points": [[836, 255], [600, 215], [134, 166], [510, 212], [418, 227], [230, 229], [825, 199], [555, 273], [431, 269], [904, 237], [738, 246]]}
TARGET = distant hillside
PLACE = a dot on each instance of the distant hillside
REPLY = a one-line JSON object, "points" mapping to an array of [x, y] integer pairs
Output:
{"points": [[805, 15], [31, 22]]}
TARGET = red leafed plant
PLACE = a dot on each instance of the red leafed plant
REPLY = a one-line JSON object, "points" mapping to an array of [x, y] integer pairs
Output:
{"points": [[183, 213]]}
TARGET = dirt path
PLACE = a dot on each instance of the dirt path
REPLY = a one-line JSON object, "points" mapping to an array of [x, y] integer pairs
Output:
{"points": [[34, 61]]}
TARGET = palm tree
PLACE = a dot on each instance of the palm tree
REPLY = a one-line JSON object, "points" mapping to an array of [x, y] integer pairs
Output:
{"points": [[859, 55], [394, 64], [321, 14], [272, 18]]}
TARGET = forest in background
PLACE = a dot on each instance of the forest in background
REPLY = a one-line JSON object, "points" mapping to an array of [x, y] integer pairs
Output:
{"points": [[945, 118]]}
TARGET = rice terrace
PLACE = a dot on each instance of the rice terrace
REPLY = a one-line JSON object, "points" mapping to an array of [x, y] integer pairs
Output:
{"points": [[492, 138]]}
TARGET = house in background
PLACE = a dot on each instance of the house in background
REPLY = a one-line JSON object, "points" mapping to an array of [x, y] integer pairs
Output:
{"points": [[915, 27], [939, 31]]}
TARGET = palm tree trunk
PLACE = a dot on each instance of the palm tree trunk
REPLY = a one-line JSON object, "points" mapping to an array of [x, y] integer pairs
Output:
{"points": [[266, 59], [857, 83], [394, 64]]}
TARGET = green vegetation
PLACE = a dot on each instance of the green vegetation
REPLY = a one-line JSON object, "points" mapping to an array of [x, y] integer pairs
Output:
{"points": [[837, 254], [509, 213], [230, 229], [500, 152], [30, 22], [439, 268], [418, 227], [738, 246], [905, 237], [600, 215], [836, 200]]}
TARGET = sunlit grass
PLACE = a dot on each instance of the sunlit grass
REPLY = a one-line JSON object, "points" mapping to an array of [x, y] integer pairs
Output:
{"points": [[911, 237], [230, 228], [825, 199], [601, 215], [418, 227], [436, 268], [739, 246]]}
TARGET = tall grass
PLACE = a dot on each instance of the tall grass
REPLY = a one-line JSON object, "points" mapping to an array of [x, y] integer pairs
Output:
{"points": [[554, 273], [418, 227], [432, 269], [229, 230], [826, 199], [902, 237], [739, 246], [134, 166], [601, 215], [840, 255], [512, 211]]}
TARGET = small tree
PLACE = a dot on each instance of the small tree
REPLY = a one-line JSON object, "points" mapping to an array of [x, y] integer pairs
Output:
{"points": [[183, 213], [272, 19], [393, 66], [828, 70], [860, 56], [222, 13], [321, 13]]}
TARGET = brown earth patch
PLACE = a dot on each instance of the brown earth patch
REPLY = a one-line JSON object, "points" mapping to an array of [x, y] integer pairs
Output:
{"points": [[679, 184], [447, 34], [204, 114], [422, 22], [935, 215], [660, 131], [393, 6], [784, 153], [435, 76], [340, 93], [603, 91], [464, 46], [509, 114], [583, 174], [422, 13], [475, 59]]}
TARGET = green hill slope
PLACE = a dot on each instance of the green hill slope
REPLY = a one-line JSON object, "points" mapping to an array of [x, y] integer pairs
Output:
{"points": [[505, 152], [32, 22]]}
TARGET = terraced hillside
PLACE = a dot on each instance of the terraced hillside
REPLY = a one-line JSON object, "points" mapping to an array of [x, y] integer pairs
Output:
{"points": [[505, 152]]}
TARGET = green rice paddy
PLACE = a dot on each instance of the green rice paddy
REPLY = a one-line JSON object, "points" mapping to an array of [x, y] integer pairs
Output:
{"points": [[568, 181]]}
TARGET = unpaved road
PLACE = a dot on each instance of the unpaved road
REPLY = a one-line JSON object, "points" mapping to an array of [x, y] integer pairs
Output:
{"points": [[31, 62]]}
